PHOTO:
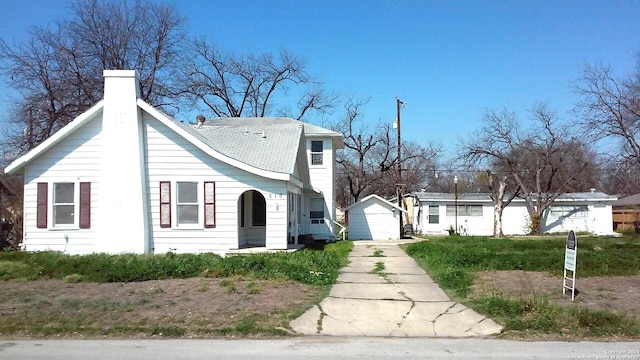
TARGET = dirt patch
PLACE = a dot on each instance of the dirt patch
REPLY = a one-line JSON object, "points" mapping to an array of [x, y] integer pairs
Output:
{"points": [[619, 294], [193, 307]]}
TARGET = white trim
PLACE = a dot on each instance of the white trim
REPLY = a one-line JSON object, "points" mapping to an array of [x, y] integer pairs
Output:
{"points": [[199, 200], [375, 197], [20, 162], [76, 205], [209, 151]]}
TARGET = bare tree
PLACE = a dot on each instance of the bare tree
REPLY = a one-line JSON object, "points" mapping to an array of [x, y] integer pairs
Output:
{"points": [[610, 108], [58, 70], [368, 164], [542, 160], [237, 85], [620, 176], [498, 185], [356, 170], [11, 215]]}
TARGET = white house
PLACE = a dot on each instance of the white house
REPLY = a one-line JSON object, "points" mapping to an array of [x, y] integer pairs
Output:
{"points": [[124, 177], [373, 218], [435, 213]]}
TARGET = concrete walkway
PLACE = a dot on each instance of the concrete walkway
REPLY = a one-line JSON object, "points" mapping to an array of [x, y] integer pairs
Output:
{"points": [[398, 300]]}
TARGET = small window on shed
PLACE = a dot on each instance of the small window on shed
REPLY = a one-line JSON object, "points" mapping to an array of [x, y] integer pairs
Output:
{"points": [[434, 214]]}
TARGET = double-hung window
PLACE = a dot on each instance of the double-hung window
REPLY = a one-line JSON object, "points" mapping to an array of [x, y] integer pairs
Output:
{"points": [[434, 214], [63, 205], [187, 204], [316, 153]]}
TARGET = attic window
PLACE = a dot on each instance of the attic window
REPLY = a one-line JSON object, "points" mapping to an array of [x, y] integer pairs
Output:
{"points": [[316, 153]]}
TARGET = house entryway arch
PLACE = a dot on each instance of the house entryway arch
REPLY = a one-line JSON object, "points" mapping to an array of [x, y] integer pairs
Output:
{"points": [[252, 219]]}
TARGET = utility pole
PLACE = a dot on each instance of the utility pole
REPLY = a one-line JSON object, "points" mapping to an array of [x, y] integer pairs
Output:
{"points": [[399, 185], [455, 189]]}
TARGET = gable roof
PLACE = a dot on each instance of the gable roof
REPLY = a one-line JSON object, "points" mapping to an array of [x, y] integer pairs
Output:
{"points": [[269, 147], [190, 133], [224, 139], [311, 130], [374, 197], [67, 130], [265, 143]]}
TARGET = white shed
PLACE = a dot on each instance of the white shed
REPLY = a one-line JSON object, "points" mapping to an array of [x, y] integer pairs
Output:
{"points": [[373, 218]]}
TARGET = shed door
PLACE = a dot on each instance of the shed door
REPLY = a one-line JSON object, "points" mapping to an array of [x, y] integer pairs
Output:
{"points": [[383, 225]]}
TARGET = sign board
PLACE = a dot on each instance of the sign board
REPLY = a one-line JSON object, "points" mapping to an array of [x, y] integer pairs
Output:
{"points": [[570, 251]]}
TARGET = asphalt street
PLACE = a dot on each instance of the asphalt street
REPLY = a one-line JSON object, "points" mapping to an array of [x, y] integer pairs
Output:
{"points": [[318, 347]]}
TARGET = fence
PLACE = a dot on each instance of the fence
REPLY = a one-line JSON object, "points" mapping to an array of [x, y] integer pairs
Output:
{"points": [[623, 219]]}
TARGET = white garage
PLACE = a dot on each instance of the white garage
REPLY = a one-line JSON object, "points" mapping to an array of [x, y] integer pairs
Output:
{"points": [[373, 218]]}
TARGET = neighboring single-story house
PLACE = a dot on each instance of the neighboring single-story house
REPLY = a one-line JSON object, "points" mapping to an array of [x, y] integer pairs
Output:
{"points": [[124, 177], [627, 202], [626, 213], [373, 218], [590, 212]]}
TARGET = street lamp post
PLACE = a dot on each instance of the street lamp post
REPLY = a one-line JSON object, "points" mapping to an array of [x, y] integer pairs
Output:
{"points": [[455, 190]]}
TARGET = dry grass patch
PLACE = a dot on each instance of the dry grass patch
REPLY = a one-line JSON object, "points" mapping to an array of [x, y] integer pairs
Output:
{"points": [[195, 307]]}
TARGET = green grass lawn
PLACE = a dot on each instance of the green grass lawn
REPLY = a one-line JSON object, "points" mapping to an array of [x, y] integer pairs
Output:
{"points": [[454, 261], [309, 266]]}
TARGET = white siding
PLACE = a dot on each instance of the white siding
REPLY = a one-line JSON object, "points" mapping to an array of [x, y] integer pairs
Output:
{"points": [[591, 217], [76, 159], [515, 219], [322, 178], [373, 220], [600, 219], [170, 157]]}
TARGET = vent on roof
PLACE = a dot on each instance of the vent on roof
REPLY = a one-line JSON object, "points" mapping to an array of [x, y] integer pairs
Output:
{"points": [[200, 119], [264, 136]]}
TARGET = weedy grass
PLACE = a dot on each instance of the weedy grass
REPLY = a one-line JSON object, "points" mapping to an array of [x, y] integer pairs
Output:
{"points": [[454, 261], [314, 267], [319, 268], [378, 269], [377, 253]]}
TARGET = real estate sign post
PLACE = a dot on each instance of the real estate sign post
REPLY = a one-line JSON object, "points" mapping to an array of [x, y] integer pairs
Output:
{"points": [[569, 283]]}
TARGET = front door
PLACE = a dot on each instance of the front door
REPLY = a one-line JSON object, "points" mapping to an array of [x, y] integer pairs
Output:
{"points": [[318, 225], [252, 209]]}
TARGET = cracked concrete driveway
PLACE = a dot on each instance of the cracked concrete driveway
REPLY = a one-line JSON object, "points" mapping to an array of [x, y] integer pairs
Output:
{"points": [[383, 292]]}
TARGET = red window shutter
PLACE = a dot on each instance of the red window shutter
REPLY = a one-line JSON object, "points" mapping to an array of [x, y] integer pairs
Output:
{"points": [[165, 204], [42, 206], [209, 204], [85, 205]]}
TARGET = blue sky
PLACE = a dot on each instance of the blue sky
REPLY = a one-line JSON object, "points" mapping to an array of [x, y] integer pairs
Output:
{"points": [[448, 61]]}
